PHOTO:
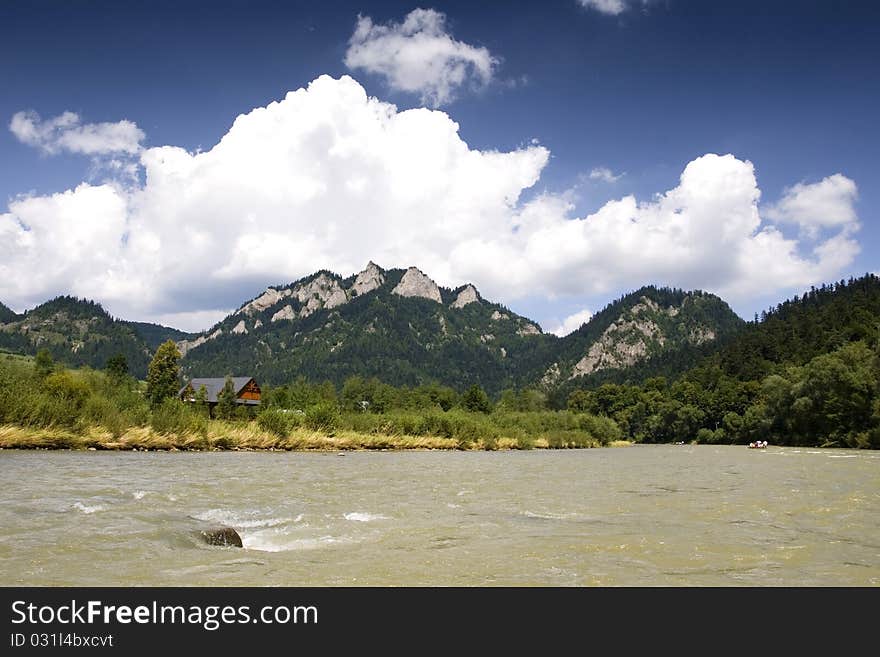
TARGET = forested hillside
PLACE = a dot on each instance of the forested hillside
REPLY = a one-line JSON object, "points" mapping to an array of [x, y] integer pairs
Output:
{"points": [[75, 332], [804, 373], [6, 314]]}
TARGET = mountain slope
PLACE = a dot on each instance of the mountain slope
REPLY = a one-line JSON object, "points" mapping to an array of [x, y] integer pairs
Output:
{"points": [[802, 328], [397, 325], [652, 330], [6, 315], [402, 328], [155, 334], [76, 332]]}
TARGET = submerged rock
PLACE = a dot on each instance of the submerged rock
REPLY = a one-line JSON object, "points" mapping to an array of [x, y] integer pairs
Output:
{"points": [[224, 536]]}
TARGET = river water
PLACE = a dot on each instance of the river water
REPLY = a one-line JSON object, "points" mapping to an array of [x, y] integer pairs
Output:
{"points": [[666, 515]]}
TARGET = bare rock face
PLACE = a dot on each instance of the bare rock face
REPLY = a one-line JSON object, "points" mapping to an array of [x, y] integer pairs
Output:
{"points": [[497, 316], [368, 280], [467, 295], [701, 335], [188, 345], [266, 300], [628, 339], [320, 292], [415, 284], [240, 328], [621, 345], [528, 329], [551, 376], [284, 313]]}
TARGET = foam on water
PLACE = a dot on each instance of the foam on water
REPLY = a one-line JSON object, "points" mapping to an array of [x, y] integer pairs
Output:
{"points": [[358, 516], [548, 515], [267, 541], [139, 494], [243, 520], [79, 506]]}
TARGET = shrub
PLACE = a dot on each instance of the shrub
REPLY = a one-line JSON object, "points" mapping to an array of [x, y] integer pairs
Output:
{"points": [[64, 386], [274, 420], [705, 435], [322, 417], [175, 416]]}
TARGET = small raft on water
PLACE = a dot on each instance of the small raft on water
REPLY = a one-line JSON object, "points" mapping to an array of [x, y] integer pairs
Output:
{"points": [[758, 445]]}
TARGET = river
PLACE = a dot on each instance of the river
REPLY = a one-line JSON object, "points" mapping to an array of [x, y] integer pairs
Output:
{"points": [[665, 515]]}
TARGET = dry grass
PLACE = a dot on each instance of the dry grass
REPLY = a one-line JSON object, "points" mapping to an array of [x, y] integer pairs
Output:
{"points": [[235, 436]]}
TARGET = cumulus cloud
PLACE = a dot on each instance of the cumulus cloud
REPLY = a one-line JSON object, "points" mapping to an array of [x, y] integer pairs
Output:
{"points": [[829, 203], [572, 323], [419, 56], [331, 178], [66, 132], [604, 174]]}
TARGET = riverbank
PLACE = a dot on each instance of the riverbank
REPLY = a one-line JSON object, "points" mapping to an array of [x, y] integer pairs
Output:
{"points": [[224, 436]]}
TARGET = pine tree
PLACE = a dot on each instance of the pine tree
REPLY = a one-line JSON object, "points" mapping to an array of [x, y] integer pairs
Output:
{"points": [[476, 400]]}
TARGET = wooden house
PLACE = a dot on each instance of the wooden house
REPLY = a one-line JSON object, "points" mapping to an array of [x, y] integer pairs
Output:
{"points": [[247, 392]]}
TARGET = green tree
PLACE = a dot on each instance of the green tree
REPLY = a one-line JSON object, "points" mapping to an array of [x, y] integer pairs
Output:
{"points": [[226, 400], [117, 367], [581, 401], [201, 400], [163, 373], [44, 363], [476, 400], [354, 392]]}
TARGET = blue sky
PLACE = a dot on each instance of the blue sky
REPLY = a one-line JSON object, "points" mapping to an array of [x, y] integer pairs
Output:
{"points": [[583, 165]]}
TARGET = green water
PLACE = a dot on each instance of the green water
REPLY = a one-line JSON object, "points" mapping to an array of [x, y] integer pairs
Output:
{"points": [[638, 516]]}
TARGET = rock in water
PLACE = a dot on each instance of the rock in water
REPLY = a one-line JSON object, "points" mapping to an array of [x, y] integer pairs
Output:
{"points": [[225, 536]]}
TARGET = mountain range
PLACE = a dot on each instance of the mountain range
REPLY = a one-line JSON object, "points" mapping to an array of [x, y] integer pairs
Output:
{"points": [[397, 325]]}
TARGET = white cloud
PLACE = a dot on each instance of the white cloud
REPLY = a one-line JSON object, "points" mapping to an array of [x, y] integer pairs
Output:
{"points": [[331, 178], [419, 56], [572, 323], [65, 132], [604, 174], [829, 203], [611, 7], [705, 233]]}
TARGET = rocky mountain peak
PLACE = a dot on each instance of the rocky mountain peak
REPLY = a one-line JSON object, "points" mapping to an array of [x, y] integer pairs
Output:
{"points": [[468, 295], [321, 292], [416, 284], [266, 300], [371, 278]]}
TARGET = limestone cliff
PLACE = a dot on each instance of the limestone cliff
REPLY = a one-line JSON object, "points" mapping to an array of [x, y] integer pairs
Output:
{"points": [[416, 284]]}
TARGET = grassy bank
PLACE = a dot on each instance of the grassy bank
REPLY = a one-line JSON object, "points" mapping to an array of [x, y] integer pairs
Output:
{"points": [[244, 437], [45, 406]]}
